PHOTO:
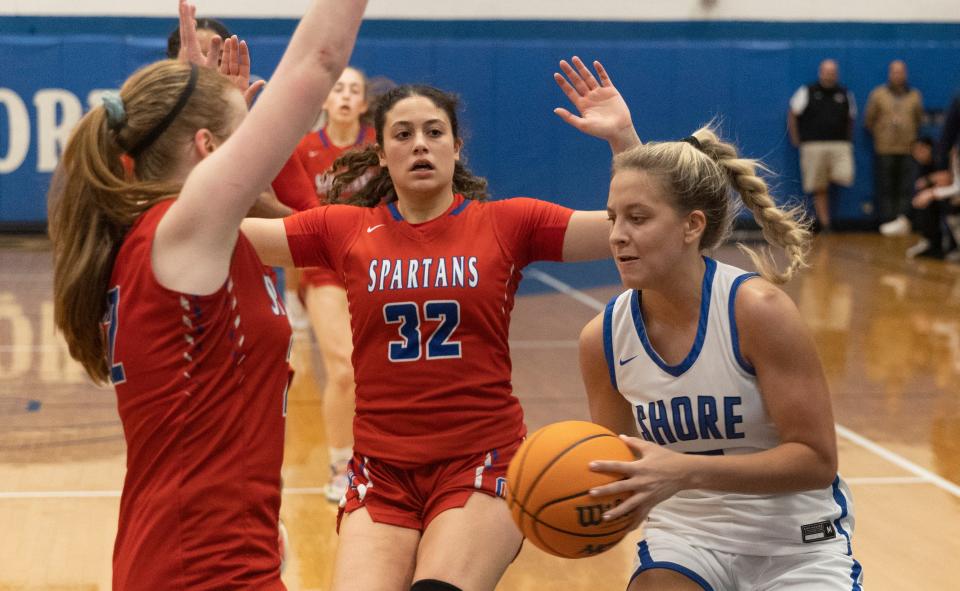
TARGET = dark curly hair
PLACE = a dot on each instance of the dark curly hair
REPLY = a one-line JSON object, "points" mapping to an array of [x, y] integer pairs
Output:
{"points": [[355, 163]]}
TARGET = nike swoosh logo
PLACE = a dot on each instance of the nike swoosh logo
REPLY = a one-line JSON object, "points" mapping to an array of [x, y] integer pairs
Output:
{"points": [[626, 361], [372, 228], [313, 153]]}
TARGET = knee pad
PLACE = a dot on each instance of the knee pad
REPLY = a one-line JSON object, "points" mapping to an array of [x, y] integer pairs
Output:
{"points": [[433, 585]]}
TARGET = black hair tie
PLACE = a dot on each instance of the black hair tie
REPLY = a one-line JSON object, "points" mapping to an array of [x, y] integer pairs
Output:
{"points": [[693, 142], [165, 123]]}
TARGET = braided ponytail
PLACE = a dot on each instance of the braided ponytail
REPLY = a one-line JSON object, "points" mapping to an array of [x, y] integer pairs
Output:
{"points": [[781, 227], [701, 174]]}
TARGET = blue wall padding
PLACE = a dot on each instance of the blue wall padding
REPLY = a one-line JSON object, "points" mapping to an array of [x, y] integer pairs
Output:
{"points": [[742, 77]]}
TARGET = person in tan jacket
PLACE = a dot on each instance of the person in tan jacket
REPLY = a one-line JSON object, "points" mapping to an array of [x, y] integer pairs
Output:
{"points": [[893, 115]]}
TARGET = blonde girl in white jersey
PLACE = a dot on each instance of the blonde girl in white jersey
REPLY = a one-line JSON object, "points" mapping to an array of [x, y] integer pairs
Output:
{"points": [[715, 380]]}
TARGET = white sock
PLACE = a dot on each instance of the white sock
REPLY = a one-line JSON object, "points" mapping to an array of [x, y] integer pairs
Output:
{"points": [[339, 456]]}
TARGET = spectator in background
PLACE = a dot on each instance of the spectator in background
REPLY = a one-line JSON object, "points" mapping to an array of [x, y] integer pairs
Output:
{"points": [[949, 135], [938, 191], [820, 121], [893, 115], [934, 203]]}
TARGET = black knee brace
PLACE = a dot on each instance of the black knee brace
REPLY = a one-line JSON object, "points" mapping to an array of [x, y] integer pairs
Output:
{"points": [[433, 585]]}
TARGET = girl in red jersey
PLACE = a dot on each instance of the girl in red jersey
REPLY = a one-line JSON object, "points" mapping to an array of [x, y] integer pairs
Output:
{"points": [[144, 222], [431, 269], [321, 287], [343, 130]]}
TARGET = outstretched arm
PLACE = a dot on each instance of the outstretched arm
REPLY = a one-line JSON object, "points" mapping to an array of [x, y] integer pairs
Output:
{"points": [[604, 114], [602, 111], [202, 225]]}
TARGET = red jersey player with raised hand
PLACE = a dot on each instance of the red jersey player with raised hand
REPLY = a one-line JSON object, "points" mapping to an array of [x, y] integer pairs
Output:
{"points": [[343, 130], [321, 287], [431, 269], [145, 213]]}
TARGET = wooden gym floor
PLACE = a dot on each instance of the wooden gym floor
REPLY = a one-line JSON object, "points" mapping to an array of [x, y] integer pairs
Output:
{"points": [[888, 330]]}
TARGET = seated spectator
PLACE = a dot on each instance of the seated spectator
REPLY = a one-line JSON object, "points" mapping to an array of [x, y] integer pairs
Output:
{"points": [[934, 203], [922, 161]]}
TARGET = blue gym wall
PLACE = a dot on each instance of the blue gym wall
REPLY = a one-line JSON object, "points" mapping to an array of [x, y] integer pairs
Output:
{"points": [[675, 76]]}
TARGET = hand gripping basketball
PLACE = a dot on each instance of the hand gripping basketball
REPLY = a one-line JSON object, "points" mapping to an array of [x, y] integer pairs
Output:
{"points": [[548, 489]]}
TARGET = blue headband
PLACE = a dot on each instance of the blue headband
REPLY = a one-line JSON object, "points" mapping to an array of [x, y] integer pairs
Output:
{"points": [[116, 114]]}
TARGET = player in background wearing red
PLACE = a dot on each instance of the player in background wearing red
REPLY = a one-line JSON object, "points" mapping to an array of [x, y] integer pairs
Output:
{"points": [[145, 214], [321, 287], [431, 269]]}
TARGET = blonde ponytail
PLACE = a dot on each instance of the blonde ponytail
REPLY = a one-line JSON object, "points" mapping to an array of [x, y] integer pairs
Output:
{"points": [[702, 173], [783, 227]]}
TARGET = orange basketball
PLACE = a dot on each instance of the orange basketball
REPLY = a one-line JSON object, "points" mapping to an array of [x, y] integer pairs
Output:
{"points": [[548, 489]]}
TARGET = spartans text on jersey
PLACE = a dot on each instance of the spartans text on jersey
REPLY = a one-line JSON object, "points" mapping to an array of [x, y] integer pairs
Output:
{"points": [[396, 274]]}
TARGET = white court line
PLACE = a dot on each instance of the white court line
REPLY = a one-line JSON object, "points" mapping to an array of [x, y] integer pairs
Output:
{"points": [[881, 480], [60, 494], [550, 280], [852, 436], [318, 490], [109, 494], [899, 460], [30, 348]]}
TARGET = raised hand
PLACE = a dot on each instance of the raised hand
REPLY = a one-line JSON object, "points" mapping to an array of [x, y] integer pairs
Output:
{"points": [[190, 50], [235, 65], [230, 57], [654, 477], [602, 110]]}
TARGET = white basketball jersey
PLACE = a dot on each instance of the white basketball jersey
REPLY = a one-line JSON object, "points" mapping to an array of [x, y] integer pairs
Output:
{"points": [[710, 404]]}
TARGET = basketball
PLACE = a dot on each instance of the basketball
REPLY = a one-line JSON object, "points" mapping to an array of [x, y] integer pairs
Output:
{"points": [[548, 489]]}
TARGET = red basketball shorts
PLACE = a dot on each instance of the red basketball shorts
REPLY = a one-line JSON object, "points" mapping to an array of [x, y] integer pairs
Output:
{"points": [[413, 497]]}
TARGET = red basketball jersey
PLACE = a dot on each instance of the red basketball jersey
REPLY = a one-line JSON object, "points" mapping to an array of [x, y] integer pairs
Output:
{"points": [[201, 391], [430, 309], [318, 153], [293, 187]]}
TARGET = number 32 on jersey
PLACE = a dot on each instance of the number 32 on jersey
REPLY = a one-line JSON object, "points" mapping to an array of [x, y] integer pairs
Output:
{"points": [[438, 345]]}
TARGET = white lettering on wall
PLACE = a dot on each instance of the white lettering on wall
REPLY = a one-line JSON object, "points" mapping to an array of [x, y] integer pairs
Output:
{"points": [[57, 113], [18, 122]]}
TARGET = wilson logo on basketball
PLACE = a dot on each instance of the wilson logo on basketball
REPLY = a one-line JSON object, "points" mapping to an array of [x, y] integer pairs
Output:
{"points": [[592, 515], [548, 489]]}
